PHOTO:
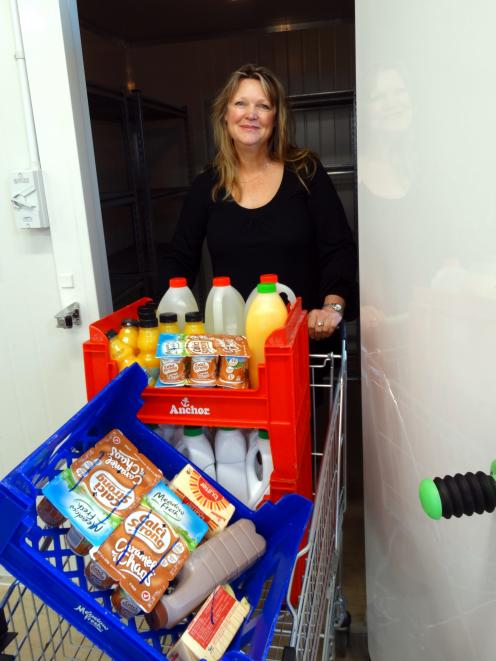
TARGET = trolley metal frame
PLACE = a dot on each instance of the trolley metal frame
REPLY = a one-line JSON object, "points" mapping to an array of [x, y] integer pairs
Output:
{"points": [[31, 631]]}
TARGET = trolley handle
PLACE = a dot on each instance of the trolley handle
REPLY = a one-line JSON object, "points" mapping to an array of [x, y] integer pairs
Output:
{"points": [[459, 494]]}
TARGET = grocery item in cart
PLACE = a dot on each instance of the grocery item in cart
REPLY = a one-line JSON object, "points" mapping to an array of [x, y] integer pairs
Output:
{"points": [[218, 560], [195, 446], [144, 554], [267, 313], [194, 323], [179, 299], [210, 632], [259, 466], [147, 345], [280, 288], [224, 310], [118, 350], [233, 364], [203, 360], [173, 361], [128, 333], [168, 323], [185, 522], [98, 577], [102, 486], [203, 498], [230, 461]]}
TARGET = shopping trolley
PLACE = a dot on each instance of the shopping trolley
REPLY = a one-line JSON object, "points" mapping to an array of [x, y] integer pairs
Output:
{"points": [[307, 631]]}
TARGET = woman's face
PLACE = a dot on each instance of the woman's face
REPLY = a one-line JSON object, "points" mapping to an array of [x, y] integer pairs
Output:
{"points": [[250, 116]]}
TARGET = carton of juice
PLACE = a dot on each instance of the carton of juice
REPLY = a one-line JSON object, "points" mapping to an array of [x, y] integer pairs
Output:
{"points": [[102, 486], [204, 499], [143, 555]]}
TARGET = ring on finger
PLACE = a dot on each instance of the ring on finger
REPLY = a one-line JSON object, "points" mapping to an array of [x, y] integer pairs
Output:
{"points": [[320, 324]]}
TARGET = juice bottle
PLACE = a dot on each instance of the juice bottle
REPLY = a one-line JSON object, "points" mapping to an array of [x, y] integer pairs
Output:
{"points": [[129, 333], [280, 288], [194, 324], [224, 310], [267, 312], [179, 299], [168, 322], [147, 345], [118, 349]]}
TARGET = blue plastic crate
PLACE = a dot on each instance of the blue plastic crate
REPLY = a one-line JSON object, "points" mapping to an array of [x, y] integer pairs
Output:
{"points": [[37, 556]]}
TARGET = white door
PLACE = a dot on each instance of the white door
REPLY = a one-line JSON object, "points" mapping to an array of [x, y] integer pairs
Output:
{"points": [[43, 270]]}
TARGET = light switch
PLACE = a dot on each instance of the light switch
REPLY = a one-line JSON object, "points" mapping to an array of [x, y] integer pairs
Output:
{"points": [[28, 199]]}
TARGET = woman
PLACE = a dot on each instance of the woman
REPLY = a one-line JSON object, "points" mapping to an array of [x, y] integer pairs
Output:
{"points": [[266, 206]]}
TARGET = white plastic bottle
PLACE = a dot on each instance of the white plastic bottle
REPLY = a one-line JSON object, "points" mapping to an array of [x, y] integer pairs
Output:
{"points": [[170, 433], [195, 446], [280, 288], [179, 299], [259, 467], [224, 310], [230, 458]]}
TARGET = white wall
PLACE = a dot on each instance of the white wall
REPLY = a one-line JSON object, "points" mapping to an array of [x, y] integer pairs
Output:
{"points": [[427, 227], [42, 380]]}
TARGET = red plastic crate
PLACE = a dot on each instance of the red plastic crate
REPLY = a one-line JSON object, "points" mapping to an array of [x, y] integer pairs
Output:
{"points": [[281, 404]]}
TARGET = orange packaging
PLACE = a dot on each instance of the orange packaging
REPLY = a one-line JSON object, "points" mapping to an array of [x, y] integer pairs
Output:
{"points": [[234, 356], [204, 354], [204, 499], [143, 555]]}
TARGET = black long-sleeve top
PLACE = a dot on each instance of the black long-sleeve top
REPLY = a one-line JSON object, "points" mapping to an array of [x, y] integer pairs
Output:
{"points": [[301, 235]]}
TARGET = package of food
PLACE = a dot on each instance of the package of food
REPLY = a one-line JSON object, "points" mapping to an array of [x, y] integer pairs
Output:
{"points": [[233, 364], [204, 499], [211, 631], [185, 522], [102, 486], [203, 354], [143, 555], [173, 360]]}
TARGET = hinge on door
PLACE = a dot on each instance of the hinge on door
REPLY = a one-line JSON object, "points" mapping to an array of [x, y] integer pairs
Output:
{"points": [[69, 316]]}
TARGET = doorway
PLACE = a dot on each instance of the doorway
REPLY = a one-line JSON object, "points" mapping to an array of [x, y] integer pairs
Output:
{"points": [[152, 69]]}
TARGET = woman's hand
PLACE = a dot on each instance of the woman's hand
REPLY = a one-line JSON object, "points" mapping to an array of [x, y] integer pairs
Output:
{"points": [[322, 323]]}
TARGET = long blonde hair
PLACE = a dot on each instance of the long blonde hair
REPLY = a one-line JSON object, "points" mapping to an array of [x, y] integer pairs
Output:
{"points": [[281, 144]]}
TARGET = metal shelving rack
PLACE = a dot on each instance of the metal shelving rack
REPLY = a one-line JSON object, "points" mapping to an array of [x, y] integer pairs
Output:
{"points": [[134, 271]]}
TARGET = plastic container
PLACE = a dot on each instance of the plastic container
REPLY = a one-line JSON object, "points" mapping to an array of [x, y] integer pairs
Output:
{"points": [[259, 467], [224, 310], [118, 349], [217, 561], [280, 288], [281, 404], [147, 345], [37, 558], [168, 323], [267, 313], [230, 461], [195, 446], [179, 299], [194, 323], [128, 333]]}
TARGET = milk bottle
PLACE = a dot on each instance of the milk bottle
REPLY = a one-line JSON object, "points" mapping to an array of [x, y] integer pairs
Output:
{"points": [[224, 311], [259, 466], [179, 299], [280, 288], [195, 446], [267, 312], [230, 457]]}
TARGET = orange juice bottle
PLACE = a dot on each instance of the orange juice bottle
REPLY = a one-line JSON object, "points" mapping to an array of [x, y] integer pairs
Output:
{"points": [[168, 322], [194, 324], [267, 312], [147, 345], [118, 349], [128, 333]]}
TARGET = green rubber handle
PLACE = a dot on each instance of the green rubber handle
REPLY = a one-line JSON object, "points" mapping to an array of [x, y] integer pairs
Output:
{"points": [[430, 499]]}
